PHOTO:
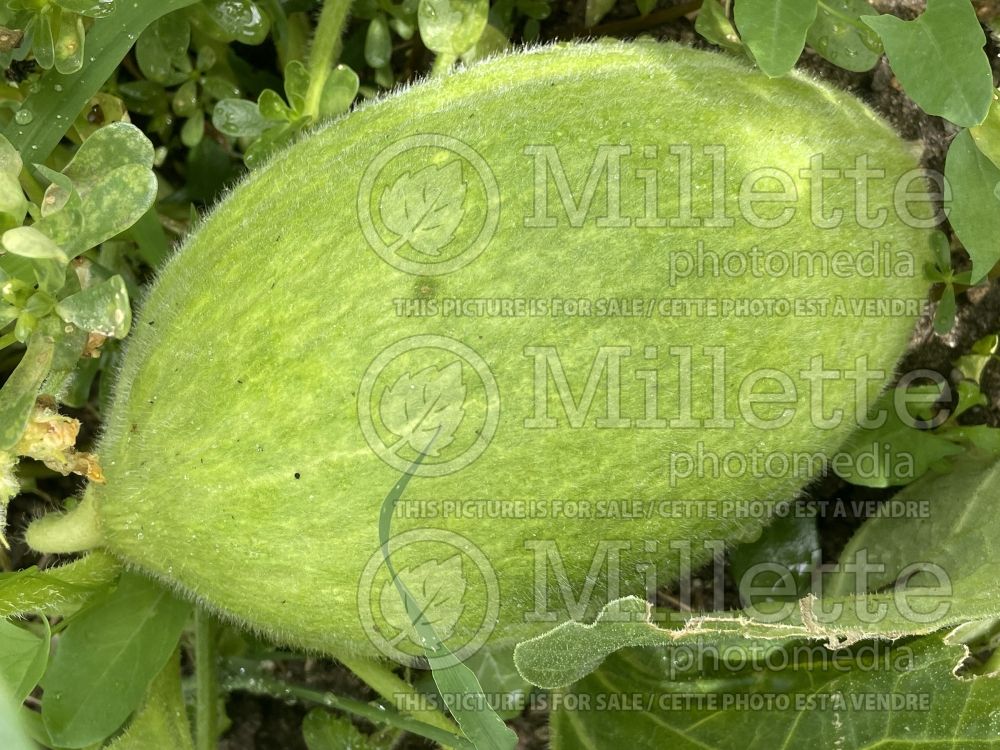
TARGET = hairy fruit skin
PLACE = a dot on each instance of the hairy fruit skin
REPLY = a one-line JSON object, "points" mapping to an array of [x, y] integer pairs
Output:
{"points": [[236, 463]]}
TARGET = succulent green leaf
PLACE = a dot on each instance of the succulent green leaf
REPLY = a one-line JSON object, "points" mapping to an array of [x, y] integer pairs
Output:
{"points": [[69, 44], [162, 50], [44, 47], [450, 27], [28, 242], [17, 396], [296, 85], [23, 657], [107, 658], [117, 145], [10, 160], [239, 118], [839, 35], [378, 42], [103, 308], [975, 205], [233, 20], [939, 59], [774, 31], [273, 107], [338, 92], [13, 204]]}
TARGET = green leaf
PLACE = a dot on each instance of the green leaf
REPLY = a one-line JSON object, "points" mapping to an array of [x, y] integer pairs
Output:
{"points": [[595, 10], [782, 558], [57, 99], [893, 454], [633, 702], [987, 134], [162, 722], [338, 92], [939, 59], [69, 44], [13, 204], [107, 658], [10, 160], [28, 242], [450, 27], [116, 145], [273, 107], [12, 735], [502, 684], [23, 657], [239, 118], [714, 26], [324, 731], [975, 203], [91, 8], [232, 21], [103, 308], [296, 85], [774, 31], [17, 396], [57, 590], [960, 532], [378, 42], [162, 50], [839, 35]]}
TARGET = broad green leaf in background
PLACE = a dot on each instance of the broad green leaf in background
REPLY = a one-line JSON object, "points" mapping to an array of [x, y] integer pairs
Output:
{"points": [[909, 699], [782, 558], [162, 721], [107, 658], [839, 35], [939, 59], [506, 689], [103, 308], [713, 24], [17, 396], [324, 731], [975, 204], [450, 27], [774, 31], [893, 454], [12, 735], [58, 590], [953, 524], [23, 657], [162, 51], [378, 42]]}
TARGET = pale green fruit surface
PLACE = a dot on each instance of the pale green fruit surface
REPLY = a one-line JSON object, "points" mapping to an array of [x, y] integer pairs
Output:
{"points": [[237, 466]]}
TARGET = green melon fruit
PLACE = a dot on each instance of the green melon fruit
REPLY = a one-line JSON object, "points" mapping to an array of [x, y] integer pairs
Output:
{"points": [[500, 269]]}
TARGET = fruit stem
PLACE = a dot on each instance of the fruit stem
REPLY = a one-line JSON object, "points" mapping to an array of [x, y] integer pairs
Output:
{"points": [[63, 533], [206, 674], [325, 51], [391, 687]]}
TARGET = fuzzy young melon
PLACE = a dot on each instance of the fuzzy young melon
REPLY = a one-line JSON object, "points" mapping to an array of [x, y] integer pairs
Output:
{"points": [[613, 290]]}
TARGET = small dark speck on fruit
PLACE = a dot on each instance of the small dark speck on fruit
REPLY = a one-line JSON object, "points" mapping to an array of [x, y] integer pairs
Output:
{"points": [[298, 476], [150, 322], [239, 382]]}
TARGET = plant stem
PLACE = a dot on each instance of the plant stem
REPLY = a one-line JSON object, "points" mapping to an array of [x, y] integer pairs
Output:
{"points": [[325, 50], [252, 680], [443, 64], [391, 687], [76, 531], [7, 340], [206, 721]]}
